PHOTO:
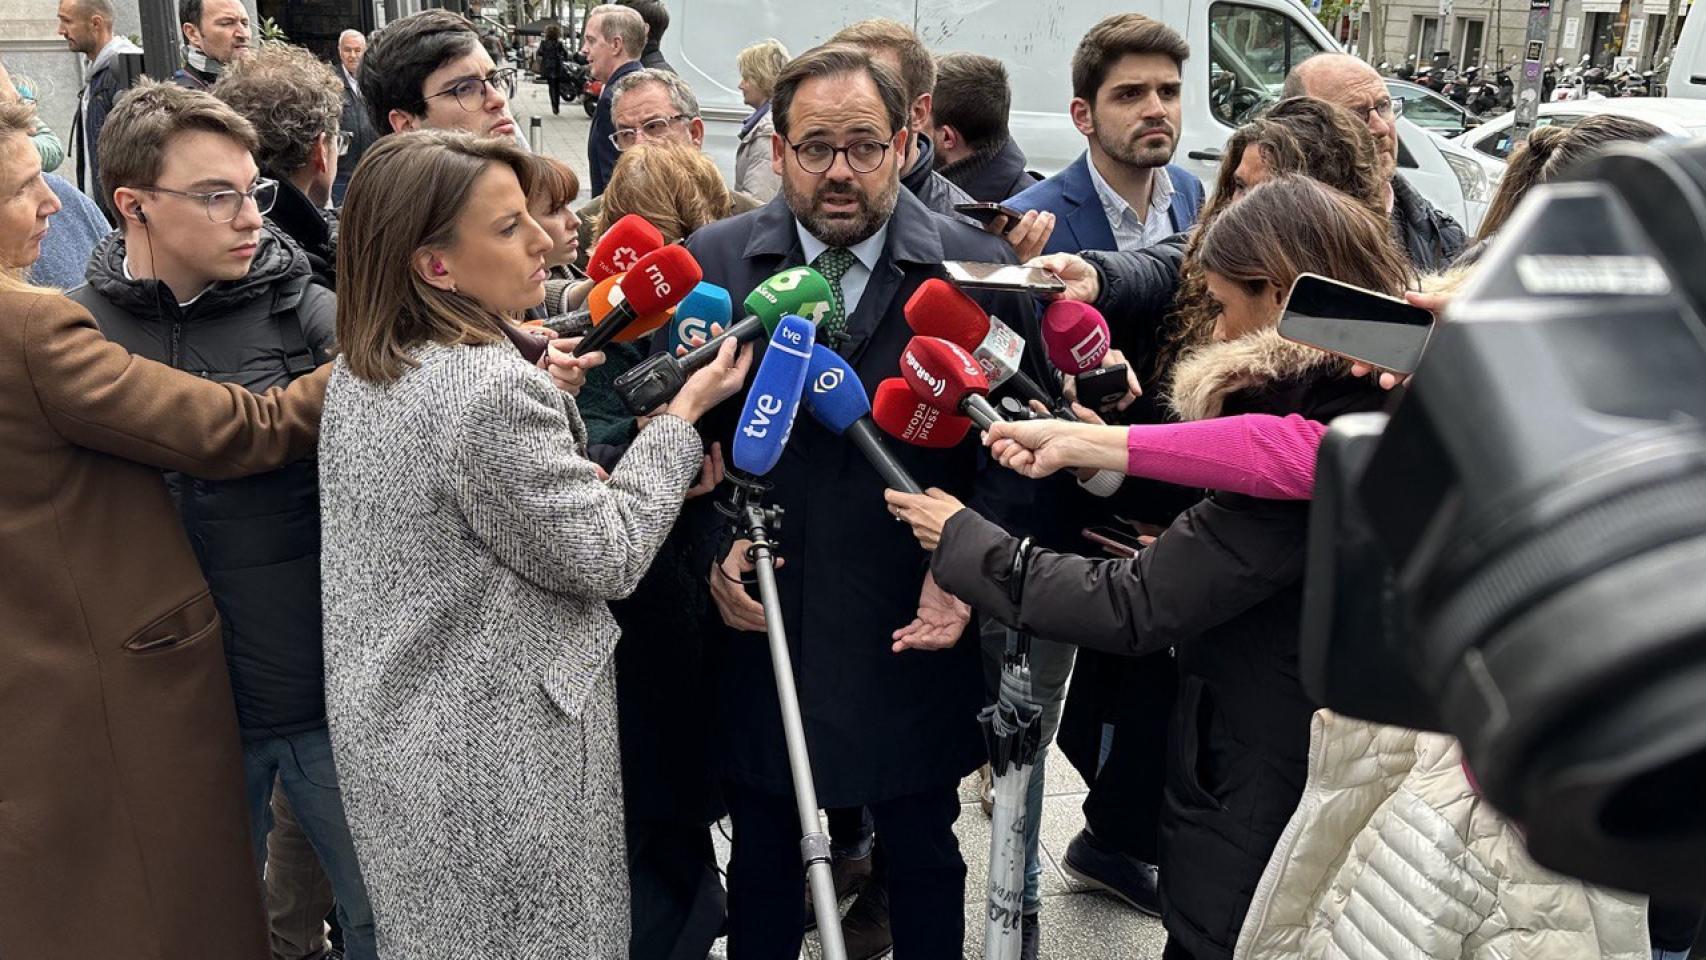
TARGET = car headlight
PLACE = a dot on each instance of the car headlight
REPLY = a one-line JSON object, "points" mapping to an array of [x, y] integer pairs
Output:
{"points": [[1470, 176]]}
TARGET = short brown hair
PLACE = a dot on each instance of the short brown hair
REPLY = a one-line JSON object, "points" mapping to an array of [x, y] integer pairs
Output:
{"points": [[674, 186], [834, 60], [1121, 35], [407, 195], [972, 96], [917, 67], [1331, 145], [555, 183], [144, 121], [290, 96]]}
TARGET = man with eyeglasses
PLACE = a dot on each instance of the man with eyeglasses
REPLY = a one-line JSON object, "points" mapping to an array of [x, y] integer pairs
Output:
{"points": [[888, 689], [196, 278], [428, 71], [614, 39], [1431, 237]]}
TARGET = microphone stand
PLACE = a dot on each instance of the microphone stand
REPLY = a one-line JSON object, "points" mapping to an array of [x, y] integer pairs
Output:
{"points": [[749, 517]]}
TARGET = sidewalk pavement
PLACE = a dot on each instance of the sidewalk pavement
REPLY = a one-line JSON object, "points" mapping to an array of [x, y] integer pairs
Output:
{"points": [[1076, 922]]}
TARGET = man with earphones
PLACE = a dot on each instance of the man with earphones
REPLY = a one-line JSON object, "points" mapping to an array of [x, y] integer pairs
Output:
{"points": [[196, 278]]}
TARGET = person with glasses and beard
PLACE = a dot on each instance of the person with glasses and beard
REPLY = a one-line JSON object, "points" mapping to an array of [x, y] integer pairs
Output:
{"points": [[875, 671], [197, 279]]}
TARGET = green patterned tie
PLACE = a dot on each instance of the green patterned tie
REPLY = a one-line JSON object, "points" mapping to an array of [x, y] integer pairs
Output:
{"points": [[834, 264]]}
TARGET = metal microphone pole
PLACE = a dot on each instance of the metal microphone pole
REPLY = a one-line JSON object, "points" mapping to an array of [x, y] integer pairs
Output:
{"points": [[755, 520]]}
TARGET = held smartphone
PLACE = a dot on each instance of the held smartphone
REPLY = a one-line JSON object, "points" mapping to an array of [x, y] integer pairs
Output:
{"points": [[1103, 386], [1003, 276], [1359, 324], [985, 213], [1117, 542]]}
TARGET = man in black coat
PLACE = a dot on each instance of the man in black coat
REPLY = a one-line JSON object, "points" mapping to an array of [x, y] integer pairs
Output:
{"points": [[657, 21], [612, 43], [355, 120], [968, 125], [888, 690], [87, 26]]}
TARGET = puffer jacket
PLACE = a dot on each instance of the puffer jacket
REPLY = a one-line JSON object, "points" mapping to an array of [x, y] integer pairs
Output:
{"points": [[257, 538], [1393, 854]]}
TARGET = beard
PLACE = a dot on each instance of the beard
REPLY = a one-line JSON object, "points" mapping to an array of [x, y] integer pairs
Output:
{"points": [[1132, 152], [841, 229]]}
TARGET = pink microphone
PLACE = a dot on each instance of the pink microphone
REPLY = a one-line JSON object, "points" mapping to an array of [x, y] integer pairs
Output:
{"points": [[1075, 336]]}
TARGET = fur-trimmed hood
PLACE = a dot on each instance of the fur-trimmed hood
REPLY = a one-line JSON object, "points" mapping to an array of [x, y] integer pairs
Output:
{"points": [[1205, 377]]}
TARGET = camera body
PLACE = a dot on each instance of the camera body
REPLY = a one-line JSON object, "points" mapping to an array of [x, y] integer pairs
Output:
{"points": [[1517, 556]]}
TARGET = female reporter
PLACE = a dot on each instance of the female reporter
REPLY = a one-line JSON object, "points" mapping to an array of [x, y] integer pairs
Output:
{"points": [[555, 186], [123, 830], [469, 551], [1221, 586]]}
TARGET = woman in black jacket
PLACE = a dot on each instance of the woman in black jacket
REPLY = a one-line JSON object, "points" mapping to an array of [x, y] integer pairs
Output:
{"points": [[554, 64], [1222, 586]]}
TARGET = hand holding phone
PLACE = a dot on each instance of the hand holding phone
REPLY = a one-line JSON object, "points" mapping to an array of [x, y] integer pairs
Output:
{"points": [[1002, 276]]}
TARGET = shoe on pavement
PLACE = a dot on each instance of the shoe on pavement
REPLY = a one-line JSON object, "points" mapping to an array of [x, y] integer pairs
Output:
{"points": [[1028, 946], [1124, 876], [851, 874], [865, 928]]}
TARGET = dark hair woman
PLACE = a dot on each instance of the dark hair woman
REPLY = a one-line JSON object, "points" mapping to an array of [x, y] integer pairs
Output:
{"points": [[554, 64], [1222, 586], [470, 549]]}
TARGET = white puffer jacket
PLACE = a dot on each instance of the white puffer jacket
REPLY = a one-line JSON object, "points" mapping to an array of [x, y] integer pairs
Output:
{"points": [[1392, 854]]}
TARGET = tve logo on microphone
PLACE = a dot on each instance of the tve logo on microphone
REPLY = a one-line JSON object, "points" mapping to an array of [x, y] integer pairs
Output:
{"points": [[764, 411]]}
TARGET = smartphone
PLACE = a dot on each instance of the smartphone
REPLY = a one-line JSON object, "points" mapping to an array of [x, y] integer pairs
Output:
{"points": [[1117, 542], [1103, 386], [1362, 325], [986, 213], [1003, 276]]}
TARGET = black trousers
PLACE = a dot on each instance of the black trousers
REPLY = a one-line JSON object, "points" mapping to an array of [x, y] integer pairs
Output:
{"points": [[555, 86], [925, 873], [677, 899], [1135, 696]]}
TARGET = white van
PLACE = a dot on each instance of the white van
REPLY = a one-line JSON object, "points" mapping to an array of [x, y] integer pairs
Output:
{"points": [[1241, 49], [1688, 65]]}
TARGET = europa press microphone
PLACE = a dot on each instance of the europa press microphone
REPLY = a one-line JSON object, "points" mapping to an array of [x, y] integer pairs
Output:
{"points": [[657, 282], [836, 399], [799, 291], [940, 309], [706, 306], [943, 375], [900, 414], [765, 422], [622, 246]]}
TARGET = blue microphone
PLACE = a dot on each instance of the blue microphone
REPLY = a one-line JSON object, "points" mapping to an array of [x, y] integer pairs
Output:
{"points": [[704, 305], [837, 400], [774, 397]]}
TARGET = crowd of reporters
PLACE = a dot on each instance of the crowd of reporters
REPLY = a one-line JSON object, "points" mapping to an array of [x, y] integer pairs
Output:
{"points": [[351, 585]]}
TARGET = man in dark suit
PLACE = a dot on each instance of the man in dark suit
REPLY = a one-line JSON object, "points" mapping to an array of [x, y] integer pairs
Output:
{"points": [[356, 121], [888, 689], [612, 43]]}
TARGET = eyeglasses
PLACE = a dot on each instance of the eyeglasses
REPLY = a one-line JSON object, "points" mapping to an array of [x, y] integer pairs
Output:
{"points": [[345, 138], [1389, 109], [817, 156], [223, 206], [470, 92], [654, 129]]}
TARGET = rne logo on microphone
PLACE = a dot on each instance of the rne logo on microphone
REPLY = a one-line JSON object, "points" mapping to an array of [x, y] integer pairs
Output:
{"points": [[765, 407], [936, 384], [660, 283], [828, 380]]}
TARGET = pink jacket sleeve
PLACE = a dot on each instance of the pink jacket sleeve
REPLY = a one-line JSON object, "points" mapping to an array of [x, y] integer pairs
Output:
{"points": [[1257, 454]]}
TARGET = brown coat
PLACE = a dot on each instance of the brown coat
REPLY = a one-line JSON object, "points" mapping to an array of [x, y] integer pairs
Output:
{"points": [[123, 832]]}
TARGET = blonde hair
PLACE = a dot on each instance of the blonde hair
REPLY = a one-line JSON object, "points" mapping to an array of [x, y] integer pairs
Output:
{"points": [[17, 118], [407, 195], [674, 186], [761, 63]]}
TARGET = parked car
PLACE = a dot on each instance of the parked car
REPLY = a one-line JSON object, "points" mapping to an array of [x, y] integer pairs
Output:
{"points": [[1429, 110], [1491, 143], [1687, 76]]}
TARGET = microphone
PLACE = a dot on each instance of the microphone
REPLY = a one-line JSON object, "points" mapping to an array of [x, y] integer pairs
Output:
{"points": [[800, 292], [836, 398], [622, 246], [774, 398], [943, 375], [900, 414], [940, 309], [1075, 336], [707, 304], [600, 300], [659, 280]]}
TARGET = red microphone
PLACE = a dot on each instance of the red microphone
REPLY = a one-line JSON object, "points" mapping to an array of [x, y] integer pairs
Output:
{"points": [[940, 309], [622, 246], [658, 281], [943, 375], [905, 417], [1075, 336]]}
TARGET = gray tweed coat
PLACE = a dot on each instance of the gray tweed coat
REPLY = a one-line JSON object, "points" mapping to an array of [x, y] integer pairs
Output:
{"points": [[469, 549]]}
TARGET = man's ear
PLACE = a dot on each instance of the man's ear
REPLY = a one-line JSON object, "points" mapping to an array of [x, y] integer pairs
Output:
{"points": [[778, 152], [950, 137], [696, 130], [126, 205], [921, 112], [325, 153], [192, 34], [429, 265], [900, 148], [402, 121], [1083, 116]]}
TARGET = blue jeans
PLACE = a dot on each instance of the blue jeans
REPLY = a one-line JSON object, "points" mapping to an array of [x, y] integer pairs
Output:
{"points": [[302, 765]]}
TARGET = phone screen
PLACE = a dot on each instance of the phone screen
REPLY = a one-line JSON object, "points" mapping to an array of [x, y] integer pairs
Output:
{"points": [[1001, 276], [1378, 330]]}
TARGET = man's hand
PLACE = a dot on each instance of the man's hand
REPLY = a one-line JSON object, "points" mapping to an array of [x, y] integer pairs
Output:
{"points": [[927, 512], [941, 619], [568, 371], [1082, 282], [710, 473], [1029, 236], [737, 609]]}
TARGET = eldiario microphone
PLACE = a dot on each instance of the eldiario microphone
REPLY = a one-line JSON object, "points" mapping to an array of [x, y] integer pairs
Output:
{"points": [[836, 398], [900, 414], [774, 398], [658, 281], [940, 309], [944, 375], [707, 305], [622, 246]]}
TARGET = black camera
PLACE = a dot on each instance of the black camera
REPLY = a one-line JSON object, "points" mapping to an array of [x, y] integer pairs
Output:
{"points": [[1517, 555]]}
